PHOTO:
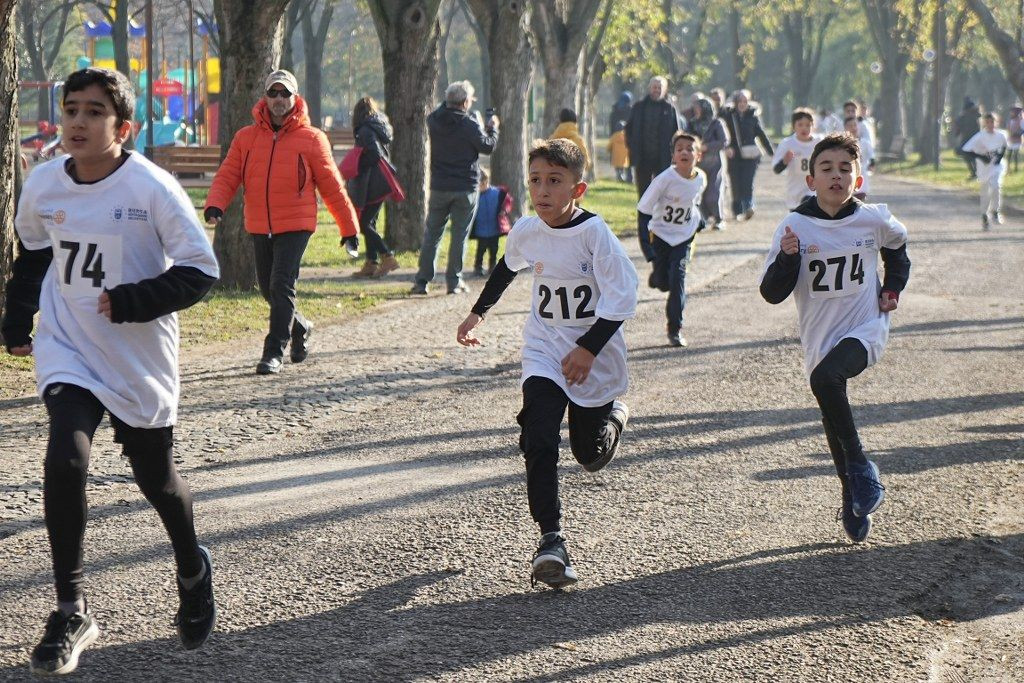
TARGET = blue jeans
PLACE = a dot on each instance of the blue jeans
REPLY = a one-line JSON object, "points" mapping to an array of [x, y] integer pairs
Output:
{"points": [[461, 208], [741, 175], [670, 276]]}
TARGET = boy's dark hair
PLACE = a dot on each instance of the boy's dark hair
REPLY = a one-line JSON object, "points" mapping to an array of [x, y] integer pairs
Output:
{"points": [[683, 135], [843, 141], [559, 152], [485, 177], [567, 116], [801, 113], [114, 83], [850, 103]]}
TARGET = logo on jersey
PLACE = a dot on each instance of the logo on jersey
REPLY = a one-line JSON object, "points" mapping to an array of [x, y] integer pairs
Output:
{"points": [[538, 268], [117, 213], [59, 216], [138, 214], [870, 242], [813, 249], [858, 243], [585, 268]]}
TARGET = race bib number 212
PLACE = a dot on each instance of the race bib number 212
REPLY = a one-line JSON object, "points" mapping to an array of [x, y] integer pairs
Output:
{"points": [[565, 302]]}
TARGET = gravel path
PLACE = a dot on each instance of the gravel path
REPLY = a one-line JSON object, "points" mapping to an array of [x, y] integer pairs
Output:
{"points": [[367, 515]]}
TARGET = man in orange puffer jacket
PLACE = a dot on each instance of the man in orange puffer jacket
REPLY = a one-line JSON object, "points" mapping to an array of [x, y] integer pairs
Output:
{"points": [[281, 160]]}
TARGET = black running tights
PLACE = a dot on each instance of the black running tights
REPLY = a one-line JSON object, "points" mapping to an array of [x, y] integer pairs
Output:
{"points": [[828, 382], [75, 413]]}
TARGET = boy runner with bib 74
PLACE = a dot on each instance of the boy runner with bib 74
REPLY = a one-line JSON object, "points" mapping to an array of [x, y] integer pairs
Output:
{"points": [[574, 352], [826, 254]]}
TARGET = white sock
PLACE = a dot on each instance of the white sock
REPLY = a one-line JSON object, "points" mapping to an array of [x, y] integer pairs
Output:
{"points": [[69, 608], [190, 583]]}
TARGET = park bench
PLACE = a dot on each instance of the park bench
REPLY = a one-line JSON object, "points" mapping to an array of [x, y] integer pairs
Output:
{"points": [[194, 160], [341, 138]]}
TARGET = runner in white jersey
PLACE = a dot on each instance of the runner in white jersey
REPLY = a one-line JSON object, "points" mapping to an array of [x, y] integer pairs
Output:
{"points": [[867, 154], [793, 156], [988, 147], [574, 353], [111, 248], [827, 255], [670, 208]]}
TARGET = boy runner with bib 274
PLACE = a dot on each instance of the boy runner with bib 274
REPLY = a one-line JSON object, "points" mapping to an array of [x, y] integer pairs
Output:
{"points": [[826, 253], [574, 352]]}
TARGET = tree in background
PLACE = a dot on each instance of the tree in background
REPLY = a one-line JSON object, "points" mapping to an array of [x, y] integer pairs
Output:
{"points": [[682, 24], [505, 26], [44, 26], [896, 27], [9, 157], [250, 36], [560, 29], [118, 14], [949, 24], [314, 39], [408, 32], [1009, 48], [804, 26]]}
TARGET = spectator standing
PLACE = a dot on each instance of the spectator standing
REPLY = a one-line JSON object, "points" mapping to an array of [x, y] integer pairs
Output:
{"points": [[568, 129], [652, 123], [965, 127], [705, 124], [743, 121], [617, 137], [371, 187], [457, 139], [280, 161]]}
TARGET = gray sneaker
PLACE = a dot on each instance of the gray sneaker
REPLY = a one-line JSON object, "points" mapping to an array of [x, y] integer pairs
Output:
{"points": [[551, 564], [619, 416], [64, 639]]}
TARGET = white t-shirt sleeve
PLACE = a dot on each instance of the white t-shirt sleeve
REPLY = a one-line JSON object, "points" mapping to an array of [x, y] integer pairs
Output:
{"points": [[26, 223], [181, 234], [649, 202], [975, 144], [616, 278], [776, 247], [892, 234], [780, 151], [513, 256]]}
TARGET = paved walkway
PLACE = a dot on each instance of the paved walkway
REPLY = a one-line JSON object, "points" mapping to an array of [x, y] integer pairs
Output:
{"points": [[366, 510]]}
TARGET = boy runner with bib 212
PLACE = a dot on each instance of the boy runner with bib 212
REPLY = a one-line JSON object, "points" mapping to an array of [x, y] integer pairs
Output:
{"points": [[826, 253], [574, 352]]}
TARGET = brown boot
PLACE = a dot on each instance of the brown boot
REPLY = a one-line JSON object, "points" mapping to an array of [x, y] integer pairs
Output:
{"points": [[368, 269], [387, 264]]}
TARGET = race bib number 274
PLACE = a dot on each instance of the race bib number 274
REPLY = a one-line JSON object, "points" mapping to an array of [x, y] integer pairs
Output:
{"points": [[835, 274]]}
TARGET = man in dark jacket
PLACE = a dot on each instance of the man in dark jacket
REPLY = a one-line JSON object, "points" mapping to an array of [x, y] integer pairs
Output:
{"points": [[457, 139], [965, 127], [652, 122]]}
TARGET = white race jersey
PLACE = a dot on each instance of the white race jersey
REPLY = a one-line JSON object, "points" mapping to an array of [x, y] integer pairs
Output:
{"points": [[838, 287], [673, 202], [797, 169], [580, 273], [130, 226], [984, 142]]}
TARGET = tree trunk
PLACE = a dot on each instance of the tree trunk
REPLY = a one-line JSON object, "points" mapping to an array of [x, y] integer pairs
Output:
{"points": [[918, 100], [408, 31], [250, 36], [484, 92], [890, 97], [739, 67], [10, 159], [1010, 51], [443, 79], [291, 20], [560, 30], [313, 41]]}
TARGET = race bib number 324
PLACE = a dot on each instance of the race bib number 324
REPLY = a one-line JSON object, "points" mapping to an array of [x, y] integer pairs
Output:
{"points": [[87, 264], [565, 302]]}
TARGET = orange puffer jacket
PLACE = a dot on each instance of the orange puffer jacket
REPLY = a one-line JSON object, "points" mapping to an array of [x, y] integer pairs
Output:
{"points": [[280, 172]]}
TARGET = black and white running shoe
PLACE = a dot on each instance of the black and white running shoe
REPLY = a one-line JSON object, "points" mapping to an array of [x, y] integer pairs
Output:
{"points": [[197, 612], [64, 639], [551, 564]]}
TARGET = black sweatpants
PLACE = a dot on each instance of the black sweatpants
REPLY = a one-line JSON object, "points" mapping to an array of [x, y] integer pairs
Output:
{"points": [[488, 245], [591, 435], [828, 382], [75, 413], [277, 269]]}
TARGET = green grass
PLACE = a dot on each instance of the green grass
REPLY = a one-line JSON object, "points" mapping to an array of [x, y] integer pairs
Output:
{"points": [[615, 202], [953, 173]]}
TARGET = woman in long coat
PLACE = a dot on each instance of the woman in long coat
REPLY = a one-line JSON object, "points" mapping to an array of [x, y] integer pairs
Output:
{"points": [[704, 123]]}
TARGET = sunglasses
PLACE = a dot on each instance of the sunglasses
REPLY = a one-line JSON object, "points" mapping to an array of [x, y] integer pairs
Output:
{"points": [[278, 92]]}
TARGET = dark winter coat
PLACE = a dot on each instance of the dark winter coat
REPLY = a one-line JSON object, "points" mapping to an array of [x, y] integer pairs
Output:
{"points": [[744, 128], [711, 130], [371, 185], [620, 113], [649, 133], [457, 139]]}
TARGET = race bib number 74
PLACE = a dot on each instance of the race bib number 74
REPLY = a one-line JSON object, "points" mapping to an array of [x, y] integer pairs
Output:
{"points": [[835, 274], [87, 264], [565, 302]]}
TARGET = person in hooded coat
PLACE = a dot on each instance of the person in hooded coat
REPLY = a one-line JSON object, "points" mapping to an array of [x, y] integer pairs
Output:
{"points": [[705, 124], [370, 188]]}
